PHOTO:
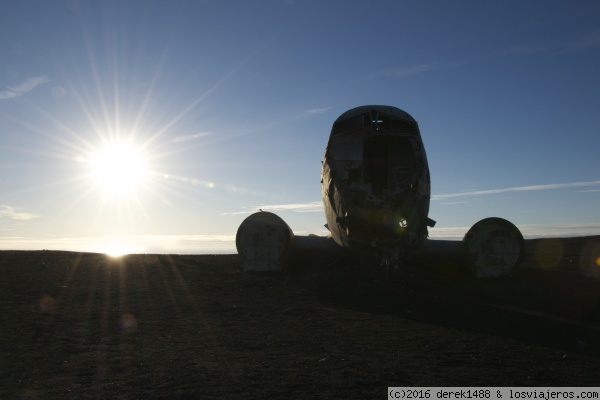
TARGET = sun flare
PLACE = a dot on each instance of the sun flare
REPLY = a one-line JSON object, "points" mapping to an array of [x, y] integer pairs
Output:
{"points": [[118, 169], [116, 250]]}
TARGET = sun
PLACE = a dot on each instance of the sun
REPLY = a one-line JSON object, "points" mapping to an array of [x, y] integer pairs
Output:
{"points": [[116, 249], [118, 169]]}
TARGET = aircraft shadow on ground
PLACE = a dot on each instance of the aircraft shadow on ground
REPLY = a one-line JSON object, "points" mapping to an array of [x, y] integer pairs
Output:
{"points": [[552, 308]]}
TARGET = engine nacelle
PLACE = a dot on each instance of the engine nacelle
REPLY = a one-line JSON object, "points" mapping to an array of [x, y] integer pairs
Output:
{"points": [[494, 247], [264, 241]]}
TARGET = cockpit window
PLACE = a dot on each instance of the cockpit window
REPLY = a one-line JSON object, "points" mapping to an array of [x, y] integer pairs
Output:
{"points": [[386, 124], [348, 147], [349, 125]]}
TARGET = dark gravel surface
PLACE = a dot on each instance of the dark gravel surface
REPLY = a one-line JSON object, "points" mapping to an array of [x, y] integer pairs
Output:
{"points": [[85, 326]]}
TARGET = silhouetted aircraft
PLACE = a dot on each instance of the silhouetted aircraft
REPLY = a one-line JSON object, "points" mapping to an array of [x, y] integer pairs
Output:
{"points": [[376, 190]]}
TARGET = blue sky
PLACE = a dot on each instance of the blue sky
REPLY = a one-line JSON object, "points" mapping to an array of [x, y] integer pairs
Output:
{"points": [[227, 107]]}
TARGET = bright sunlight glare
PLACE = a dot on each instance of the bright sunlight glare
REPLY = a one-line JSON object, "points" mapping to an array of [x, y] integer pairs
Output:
{"points": [[116, 250], [118, 169]]}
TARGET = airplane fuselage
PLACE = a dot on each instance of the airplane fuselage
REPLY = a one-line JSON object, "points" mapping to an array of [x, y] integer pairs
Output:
{"points": [[375, 181], [376, 189]]}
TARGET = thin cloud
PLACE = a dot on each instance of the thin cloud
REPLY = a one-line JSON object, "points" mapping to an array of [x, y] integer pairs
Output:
{"points": [[207, 238], [410, 71], [529, 231], [12, 213], [417, 69], [448, 233], [307, 113], [186, 138], [586, 42], [313, 206], [397, 73], [314, 111], [154, 244], [23, 88], [525, 49], [551, 186]]}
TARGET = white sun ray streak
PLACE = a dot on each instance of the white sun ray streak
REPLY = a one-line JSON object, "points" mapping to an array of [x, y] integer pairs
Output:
{"points": [[551, 186], [169, 124]]}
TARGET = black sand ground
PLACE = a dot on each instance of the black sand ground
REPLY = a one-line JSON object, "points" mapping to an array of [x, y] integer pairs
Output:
{"points": [[84, 326]]}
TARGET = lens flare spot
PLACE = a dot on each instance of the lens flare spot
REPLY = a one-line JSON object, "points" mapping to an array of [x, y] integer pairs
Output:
{"points": [[129, 323], [589, 259], [47, 304], [549, 253], [58, 92]]}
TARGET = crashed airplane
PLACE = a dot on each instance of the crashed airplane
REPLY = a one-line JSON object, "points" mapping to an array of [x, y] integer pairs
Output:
{"points": [[376, 189]]}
